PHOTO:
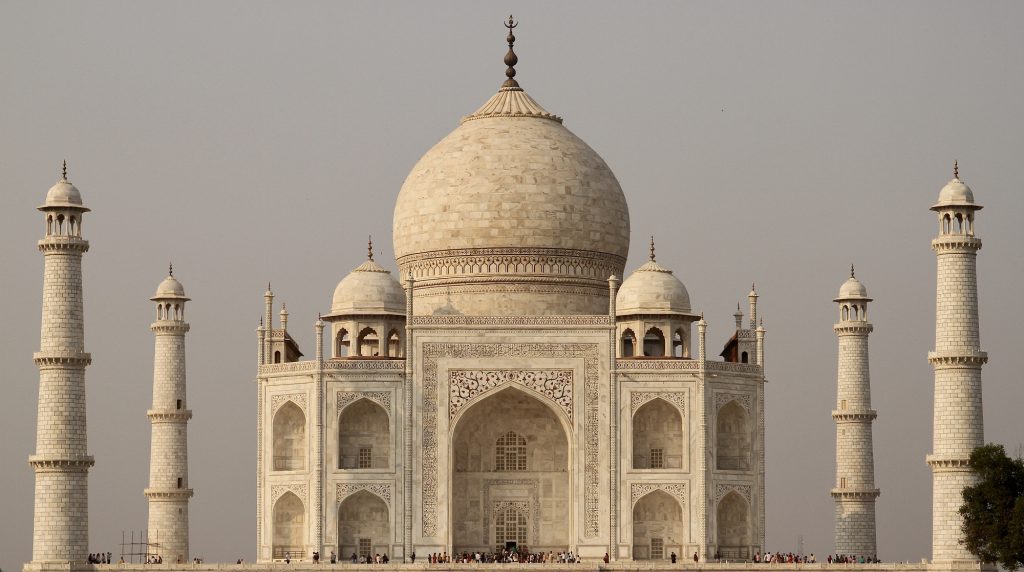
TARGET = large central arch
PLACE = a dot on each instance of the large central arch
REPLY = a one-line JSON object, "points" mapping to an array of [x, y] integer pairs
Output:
{"points": [[510, 456]]}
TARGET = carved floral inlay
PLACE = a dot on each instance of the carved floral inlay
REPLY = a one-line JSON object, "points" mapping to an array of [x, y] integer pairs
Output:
{"points": [[639, 490], [298, 489], [640, 398], [383, 398], [276, 401], [464, 385], [723, 489], [744, 399], [381, 489]]}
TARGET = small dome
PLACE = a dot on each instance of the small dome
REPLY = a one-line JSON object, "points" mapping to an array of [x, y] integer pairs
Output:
{"points": [[852, 288], [63, 195], [652, 289], [369, 289], [956, 192], [170, 288]]}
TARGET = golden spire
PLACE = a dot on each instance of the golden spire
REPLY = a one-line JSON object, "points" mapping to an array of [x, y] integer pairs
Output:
{"points": [[369, 247], [170, 269], [852, 275], [652, 248], [64, 171], [510, 57], [956, 170]]}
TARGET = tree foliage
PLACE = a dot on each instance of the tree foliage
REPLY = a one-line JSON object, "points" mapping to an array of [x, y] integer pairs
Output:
{"points": [[993, 509]]}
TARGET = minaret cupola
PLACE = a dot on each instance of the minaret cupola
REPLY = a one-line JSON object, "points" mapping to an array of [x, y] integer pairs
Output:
{"points": [[170, 298], [853, 300]]}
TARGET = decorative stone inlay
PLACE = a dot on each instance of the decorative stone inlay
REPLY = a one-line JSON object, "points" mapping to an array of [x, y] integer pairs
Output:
{"points": [[639, 490], [511, 261], [532, 508], [382, 489], [639, 398], [672, 364], [591, 426], [744, 399], [511, 320], [723, 489], [298, 489], [464, 385], [311, 366], [276, 401], [346, 398]]}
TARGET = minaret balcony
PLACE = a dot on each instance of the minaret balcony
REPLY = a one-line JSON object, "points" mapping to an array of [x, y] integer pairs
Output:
{"points": [[854, 414], [168, 494], [44, 463], [855, 493], [165, 416], [947, 462], [51, 358], [958, 359], [956, 242], [56, 243]]}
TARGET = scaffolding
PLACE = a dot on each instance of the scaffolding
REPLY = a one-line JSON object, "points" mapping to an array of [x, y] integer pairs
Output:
{"points": [[140, 551]]}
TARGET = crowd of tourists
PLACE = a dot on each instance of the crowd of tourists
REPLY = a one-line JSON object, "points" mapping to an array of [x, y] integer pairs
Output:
{"points": [[100, 558]]}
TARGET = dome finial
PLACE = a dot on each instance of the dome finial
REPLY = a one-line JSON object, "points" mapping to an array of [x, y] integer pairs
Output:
{"points": [[170, 269], [510, 57], [852, 275], [956, 170], [369, 247], [64, 171], [652, 248]]}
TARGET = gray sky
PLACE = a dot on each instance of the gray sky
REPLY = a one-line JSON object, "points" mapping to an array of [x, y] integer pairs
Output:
{"points": [[776, 142]]}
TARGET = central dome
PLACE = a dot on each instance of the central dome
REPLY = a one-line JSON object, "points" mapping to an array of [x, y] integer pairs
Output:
{"points": [[511, 202]]}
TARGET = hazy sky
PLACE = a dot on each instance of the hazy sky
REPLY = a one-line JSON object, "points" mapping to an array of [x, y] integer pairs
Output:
{"points": [[247, 142]]}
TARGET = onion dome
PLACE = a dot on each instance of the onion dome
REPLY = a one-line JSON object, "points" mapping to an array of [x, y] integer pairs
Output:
{"points": [[369, 289], [853, 289], [652, 289], [956, 193], [170, 288], [512, 203], [63, 194]]}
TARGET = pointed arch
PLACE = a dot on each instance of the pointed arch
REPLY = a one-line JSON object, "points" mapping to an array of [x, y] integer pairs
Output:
{"points": [[368, 342], [289, 437], [289, 516], [342, 343], [364, 436], [654, 342], [394, 343], [658, 438], [734, 534], [364, 525], [679, 348], [628, 343], [733, 438], [658, 526]]}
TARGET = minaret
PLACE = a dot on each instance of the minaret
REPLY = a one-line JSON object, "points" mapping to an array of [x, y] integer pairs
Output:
{"points": [[855, 491], [957, 424], [168, 491], [61, 527]]}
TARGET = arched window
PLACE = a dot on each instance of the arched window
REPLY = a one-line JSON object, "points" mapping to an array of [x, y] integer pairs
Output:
{"points": [[654, 343], [679, 344], [657, 436], [846, 313], [49, 225], [363, 525], [289, 438], [628, 343], [341, 343], [289, 528], [744, 357], [368, 343], [658, 526], [364, 436], [277, 356], [394, 344], [510, 525], [733, 438], [60, 224], [510, 452], [733, 526]]}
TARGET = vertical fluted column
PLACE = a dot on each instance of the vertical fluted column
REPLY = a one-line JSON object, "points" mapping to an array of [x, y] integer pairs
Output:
{"points": [[957, 360], [168, 492], [61, 462], [407, 421], [268, 316], [854, 493], [614, 498], [321, 413], [752, 297]]}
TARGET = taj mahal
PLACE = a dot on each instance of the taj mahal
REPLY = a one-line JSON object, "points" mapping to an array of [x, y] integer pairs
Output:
{"points": [[516, 383]]}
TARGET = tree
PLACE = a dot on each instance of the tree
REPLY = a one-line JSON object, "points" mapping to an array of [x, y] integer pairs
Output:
{"points": [[993, 509]]}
